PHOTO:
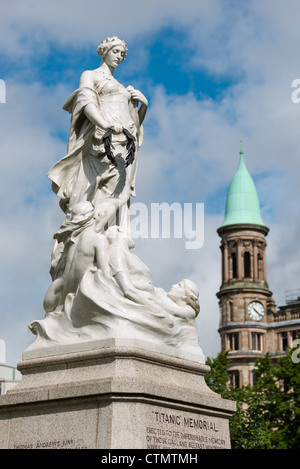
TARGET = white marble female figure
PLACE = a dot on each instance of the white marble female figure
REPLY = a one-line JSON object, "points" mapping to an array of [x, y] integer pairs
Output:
{"points": [[101, 104], [99, 288]]}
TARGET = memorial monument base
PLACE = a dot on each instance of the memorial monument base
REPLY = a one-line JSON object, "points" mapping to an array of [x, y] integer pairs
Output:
{"points": [[114, 397]]}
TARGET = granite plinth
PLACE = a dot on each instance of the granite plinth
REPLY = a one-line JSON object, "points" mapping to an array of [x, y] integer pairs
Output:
{"points": [[113, 397]]}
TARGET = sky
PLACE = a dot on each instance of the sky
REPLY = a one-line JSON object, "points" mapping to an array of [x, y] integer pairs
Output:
{"points": [[215, 73]]}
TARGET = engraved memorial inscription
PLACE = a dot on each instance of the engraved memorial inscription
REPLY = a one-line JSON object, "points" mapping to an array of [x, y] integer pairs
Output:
{"points": [[182, 430]]}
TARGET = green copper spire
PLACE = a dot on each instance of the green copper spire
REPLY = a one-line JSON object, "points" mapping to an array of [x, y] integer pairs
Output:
{"points": [[242, 204]]}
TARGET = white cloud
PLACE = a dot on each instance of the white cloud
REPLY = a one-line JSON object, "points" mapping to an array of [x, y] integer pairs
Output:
{"points": [[27, 26]]}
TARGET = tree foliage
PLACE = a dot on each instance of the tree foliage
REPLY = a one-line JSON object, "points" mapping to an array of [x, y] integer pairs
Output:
{"points": [[268, 414]]}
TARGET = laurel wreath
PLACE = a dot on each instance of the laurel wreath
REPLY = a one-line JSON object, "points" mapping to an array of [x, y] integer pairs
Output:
{"points": [[130, 147]]}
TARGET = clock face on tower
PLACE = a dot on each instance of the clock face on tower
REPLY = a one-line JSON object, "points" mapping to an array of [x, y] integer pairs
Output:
{"points": [[256, 310]]}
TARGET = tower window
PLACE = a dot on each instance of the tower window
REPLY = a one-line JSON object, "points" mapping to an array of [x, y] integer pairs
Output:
{"points": [[254, 377], [256, 341], [234, 377], [234, 265], [247, 270], [233, 341], [284, 340]]}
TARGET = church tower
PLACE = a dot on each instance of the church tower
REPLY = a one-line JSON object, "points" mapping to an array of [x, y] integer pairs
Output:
{"points": [[244, 296]]}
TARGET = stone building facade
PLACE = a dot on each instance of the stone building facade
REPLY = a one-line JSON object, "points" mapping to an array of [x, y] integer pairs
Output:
{"points": [[250, 322]]}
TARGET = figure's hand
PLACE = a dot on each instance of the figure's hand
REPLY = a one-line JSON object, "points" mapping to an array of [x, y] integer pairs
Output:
{"points": [[137, 95], [116, 128]]}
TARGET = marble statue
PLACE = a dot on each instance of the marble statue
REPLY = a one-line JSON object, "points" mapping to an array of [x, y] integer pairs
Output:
{"points": [[100, 289]]}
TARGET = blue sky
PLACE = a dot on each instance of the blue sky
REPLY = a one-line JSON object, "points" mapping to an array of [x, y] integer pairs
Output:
{"points": [[215, 72]]}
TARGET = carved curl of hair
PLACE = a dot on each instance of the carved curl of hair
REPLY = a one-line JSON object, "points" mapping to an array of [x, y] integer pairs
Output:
{"points": [[108, 43]]}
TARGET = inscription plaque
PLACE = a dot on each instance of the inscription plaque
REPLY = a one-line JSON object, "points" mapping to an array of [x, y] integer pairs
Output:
{"points": [[183, 430]]}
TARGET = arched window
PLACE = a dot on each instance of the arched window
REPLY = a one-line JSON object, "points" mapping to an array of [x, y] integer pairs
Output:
{"points": [[234, 377], [233, 341], [247, 269], [234, 266], [254, 377]]}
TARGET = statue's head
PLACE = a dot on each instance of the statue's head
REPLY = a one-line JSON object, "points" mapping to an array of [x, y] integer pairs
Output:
{"points": [[192, 295], [109, 44], [187, 292], [80, 213], [115, 234]]}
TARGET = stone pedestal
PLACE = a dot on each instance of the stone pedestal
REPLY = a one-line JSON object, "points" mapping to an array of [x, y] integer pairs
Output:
{"points": [[114, 397]]}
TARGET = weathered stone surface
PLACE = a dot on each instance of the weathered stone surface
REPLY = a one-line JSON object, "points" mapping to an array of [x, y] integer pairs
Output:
{"points": [[113, 398]]}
